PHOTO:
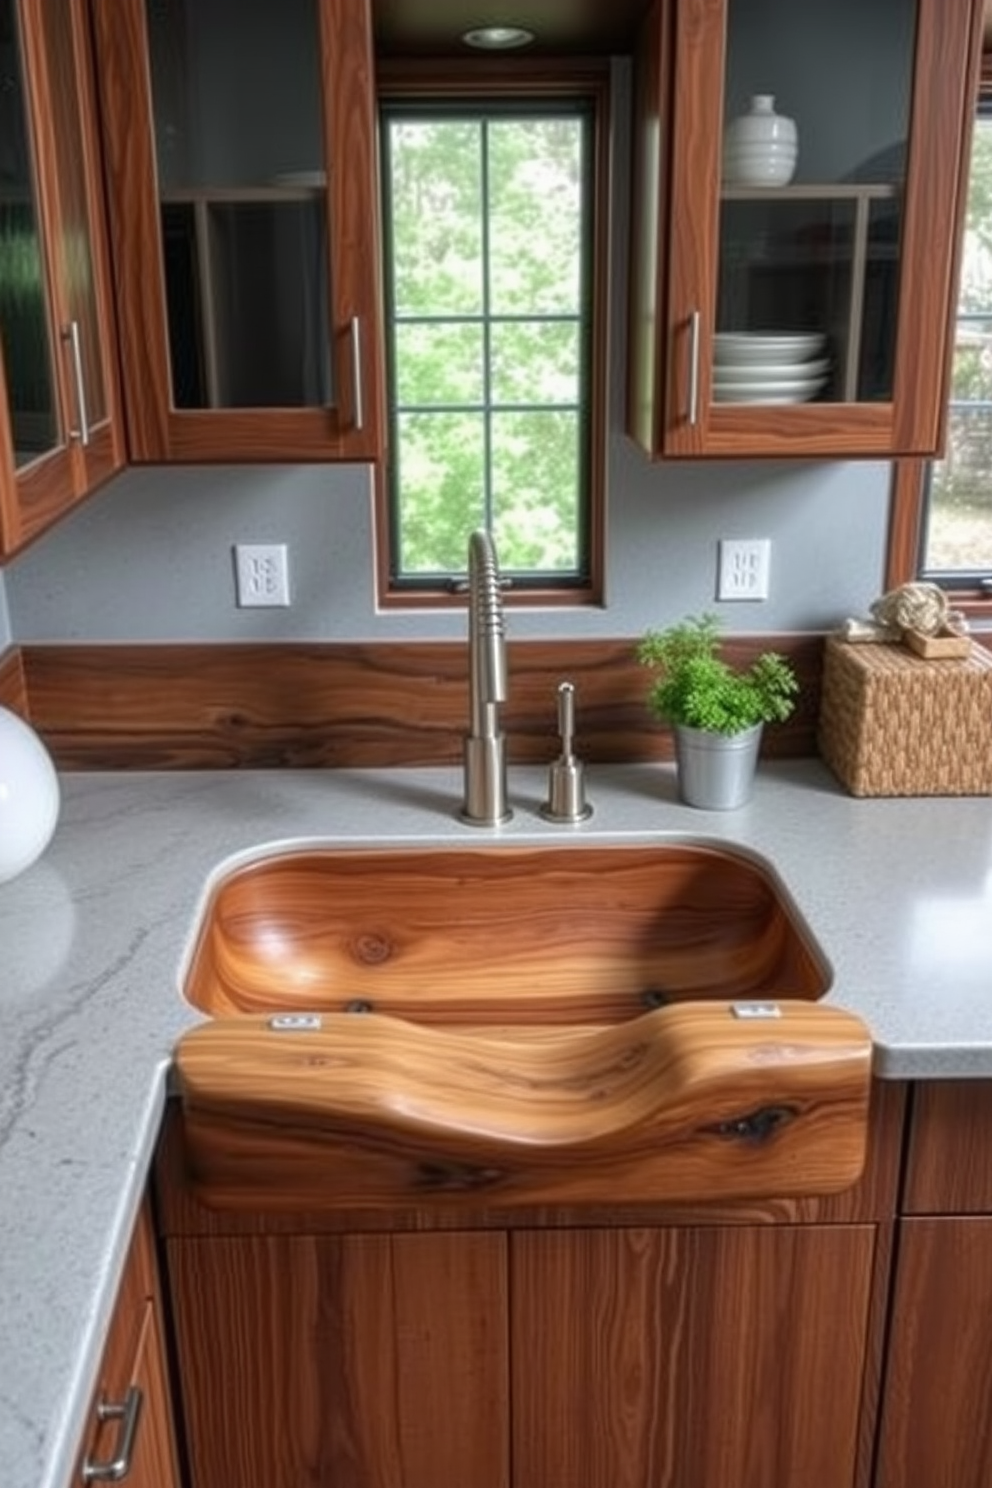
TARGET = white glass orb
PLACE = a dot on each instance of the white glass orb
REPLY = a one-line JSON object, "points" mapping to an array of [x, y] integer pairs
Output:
{"points": [[29, 796]]}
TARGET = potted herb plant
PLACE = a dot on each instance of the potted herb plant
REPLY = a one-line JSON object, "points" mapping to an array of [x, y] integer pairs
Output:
{"points": [[717, 713]]}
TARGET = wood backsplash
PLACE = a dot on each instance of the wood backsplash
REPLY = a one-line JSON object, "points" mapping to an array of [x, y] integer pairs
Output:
{"points": [[12, 690], [366, 705]]}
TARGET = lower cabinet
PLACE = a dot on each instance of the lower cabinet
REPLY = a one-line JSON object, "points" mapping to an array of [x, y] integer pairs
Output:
{"points": [[936, 1426], [689, 1357], [130, 1437], [348, 1361], [682, 1357], [936, 1421]]}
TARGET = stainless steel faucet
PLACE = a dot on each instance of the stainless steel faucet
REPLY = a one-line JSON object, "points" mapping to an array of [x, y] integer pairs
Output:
{"points": [[485, 746]]}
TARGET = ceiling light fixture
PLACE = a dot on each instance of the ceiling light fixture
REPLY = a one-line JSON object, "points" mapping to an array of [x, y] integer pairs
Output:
{"points": [[497, 38]]}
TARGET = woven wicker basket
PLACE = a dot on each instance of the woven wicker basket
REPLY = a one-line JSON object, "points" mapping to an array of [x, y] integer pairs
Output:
{"points": [[895, 724]]}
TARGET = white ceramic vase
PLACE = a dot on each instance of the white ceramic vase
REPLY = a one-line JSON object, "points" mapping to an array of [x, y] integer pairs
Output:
{"points": [[29, 796], [761, 147]]}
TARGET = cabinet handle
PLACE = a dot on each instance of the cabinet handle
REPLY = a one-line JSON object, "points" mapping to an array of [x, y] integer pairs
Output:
{"points": [[116, 1468], [356, 362], [70, 333], [694, 368]]}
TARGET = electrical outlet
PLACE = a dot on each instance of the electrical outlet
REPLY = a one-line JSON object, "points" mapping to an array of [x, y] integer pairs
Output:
{"points": [[743, 568], [262, 574]]}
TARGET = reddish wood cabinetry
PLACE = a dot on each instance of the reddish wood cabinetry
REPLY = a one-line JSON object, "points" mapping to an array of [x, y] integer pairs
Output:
{"points": [[589, 1348], [131, 1437], [241, 180], [60, 430], [935, 1425], [858, 250]]}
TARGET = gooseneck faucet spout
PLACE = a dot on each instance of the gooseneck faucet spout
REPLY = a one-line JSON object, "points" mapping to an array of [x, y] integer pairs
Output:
{"points": [[485, 802]]}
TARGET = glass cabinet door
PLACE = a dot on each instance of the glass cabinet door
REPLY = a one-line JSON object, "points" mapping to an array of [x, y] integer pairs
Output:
{"points": [[237, 117], [25, 317], [798, 198], [816, 115], [82, 332]]}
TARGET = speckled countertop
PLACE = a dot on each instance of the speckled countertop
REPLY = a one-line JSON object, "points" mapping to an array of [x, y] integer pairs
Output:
{"points": [[897, 893]]}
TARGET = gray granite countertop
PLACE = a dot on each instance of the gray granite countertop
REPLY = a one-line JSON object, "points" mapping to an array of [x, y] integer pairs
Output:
{"points": [[897, 893]]}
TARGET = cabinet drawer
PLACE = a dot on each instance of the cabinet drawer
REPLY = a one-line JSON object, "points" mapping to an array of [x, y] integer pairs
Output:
{"points": [[949, 1161]]}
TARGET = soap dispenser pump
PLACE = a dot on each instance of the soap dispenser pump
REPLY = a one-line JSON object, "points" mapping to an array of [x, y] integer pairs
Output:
{"points": [[566, 779]]}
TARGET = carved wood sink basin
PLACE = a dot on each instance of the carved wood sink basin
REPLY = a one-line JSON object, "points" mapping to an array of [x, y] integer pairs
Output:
{"points": [[466, 1027], [501, 934]]}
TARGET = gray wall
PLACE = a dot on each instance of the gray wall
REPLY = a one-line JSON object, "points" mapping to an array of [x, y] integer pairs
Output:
{"points": [[149, 558], [6, 635]]}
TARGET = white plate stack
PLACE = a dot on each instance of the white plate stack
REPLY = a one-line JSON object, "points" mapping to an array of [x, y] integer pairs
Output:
{"points": [[769, 367]]}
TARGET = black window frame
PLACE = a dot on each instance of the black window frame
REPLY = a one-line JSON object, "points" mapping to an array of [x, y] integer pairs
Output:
{"points": [[580, 90]]}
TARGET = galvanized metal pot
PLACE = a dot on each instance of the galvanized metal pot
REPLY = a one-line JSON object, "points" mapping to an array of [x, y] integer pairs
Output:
{"points": [[716, 771]]}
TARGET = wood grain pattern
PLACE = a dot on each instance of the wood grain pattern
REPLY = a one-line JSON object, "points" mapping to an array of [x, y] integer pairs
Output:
{"points": [[363, 1361], [682, 1358], [13, 693], [936, 1427], [499, 934], [949, 1159], [156, 429], [945, 94], [70, 210], [680, 230], [873, 1198], [134, 1356], [684, 1103], [362, 704]]}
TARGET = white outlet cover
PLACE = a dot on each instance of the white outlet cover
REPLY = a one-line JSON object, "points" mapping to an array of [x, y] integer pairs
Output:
{"points": [[261, 573], [743, 568]]}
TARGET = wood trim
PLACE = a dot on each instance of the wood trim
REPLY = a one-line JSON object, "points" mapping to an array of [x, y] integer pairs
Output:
{"points": [[13, 692], [905, 522], [224, 706]]}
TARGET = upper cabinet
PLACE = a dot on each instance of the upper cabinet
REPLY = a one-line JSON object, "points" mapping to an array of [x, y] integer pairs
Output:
{"points": [[241, 174], [799, 178], [60, 432]]}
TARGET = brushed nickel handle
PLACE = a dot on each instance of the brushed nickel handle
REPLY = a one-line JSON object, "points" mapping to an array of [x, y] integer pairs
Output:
{"points": [[70, 333], [357, 369], [694, 368], [116, 1468]]}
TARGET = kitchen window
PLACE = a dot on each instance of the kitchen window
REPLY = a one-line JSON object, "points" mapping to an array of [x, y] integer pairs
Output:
{"points": [[942, 509], [957, 535], [493, 211]]}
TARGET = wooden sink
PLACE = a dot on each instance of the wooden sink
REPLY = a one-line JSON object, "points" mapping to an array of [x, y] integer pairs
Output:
{"points": [[509, 1025], [500, 934]]}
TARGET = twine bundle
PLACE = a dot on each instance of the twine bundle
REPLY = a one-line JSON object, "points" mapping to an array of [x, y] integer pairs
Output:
{"points": [[921, 607]]}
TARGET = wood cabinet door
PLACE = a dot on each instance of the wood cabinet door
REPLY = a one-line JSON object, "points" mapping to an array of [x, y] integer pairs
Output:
{"points": [[730, 1357], [359, 1361], [239, 139], [60, 430], [133, 1377], [936, 1422], [858, 250]]}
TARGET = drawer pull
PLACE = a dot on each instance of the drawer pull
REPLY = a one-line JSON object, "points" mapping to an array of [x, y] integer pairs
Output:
{"points": [[116, 1468]]}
